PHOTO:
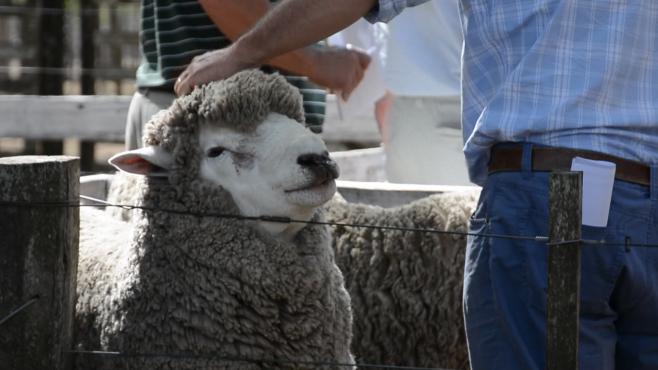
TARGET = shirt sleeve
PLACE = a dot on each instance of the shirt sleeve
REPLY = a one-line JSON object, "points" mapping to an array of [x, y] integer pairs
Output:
{"points": [[386, 10]]}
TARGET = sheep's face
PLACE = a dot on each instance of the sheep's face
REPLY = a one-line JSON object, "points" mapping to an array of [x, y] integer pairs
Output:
{"points": [[242, 134], [279, 169]]}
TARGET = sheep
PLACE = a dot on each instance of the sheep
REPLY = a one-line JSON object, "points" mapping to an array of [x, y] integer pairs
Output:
{"points": [[218, 292], [406, 287], [123, 189]]}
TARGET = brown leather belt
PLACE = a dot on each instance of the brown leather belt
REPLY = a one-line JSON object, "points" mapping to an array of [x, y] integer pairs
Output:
{"points": [[509, 158]]}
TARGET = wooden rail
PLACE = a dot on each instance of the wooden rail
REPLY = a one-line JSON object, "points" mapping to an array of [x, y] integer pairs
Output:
{"points": [[102, 118]]}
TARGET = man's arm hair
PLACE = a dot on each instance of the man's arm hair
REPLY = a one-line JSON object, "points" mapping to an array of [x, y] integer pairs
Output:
{"points": [[288, 28], [293, 24], [235, 17]]}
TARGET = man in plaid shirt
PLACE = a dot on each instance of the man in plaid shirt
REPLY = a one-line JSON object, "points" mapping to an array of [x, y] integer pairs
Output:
{"points": [[543, 82]]}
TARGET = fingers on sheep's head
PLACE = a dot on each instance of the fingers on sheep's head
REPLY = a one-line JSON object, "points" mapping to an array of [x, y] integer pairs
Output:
{"points": [[148, 161], [280, 168]]}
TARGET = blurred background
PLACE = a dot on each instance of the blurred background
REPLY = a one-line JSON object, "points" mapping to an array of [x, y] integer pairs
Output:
{"points": [[67, 47], [87, 52], [54, 46], [67, 73]]}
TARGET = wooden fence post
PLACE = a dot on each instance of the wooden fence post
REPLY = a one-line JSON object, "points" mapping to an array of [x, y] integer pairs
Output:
{"points": [[563, 300], [88, 30], [51, 60], [38, 261]]}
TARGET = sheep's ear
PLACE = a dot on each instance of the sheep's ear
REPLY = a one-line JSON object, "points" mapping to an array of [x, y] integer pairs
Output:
{"points": [[147, 161]]}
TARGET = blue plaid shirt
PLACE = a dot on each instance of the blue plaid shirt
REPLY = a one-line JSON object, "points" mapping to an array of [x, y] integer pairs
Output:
{"points": [[570, 73]]}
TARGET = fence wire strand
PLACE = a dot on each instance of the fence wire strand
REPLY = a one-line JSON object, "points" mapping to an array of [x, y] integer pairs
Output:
{"points": [[266, 218], [213, 356], [19, 309], [70, 71], [279, 219], [17, 9]]}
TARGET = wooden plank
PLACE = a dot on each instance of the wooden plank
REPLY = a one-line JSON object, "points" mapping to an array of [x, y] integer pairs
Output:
{"points": [[102, 118], [51, 59], [38, 263], [11, 50], [563, 300], [51, 48], [88, 26], [119, 37]]}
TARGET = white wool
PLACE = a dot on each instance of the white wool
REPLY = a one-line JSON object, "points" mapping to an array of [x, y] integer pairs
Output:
{"points": [[171, 282]]}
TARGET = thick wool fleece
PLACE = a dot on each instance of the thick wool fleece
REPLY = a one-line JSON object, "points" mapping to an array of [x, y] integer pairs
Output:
{"points": [[406, 287], [123, 190], [210, 286]]}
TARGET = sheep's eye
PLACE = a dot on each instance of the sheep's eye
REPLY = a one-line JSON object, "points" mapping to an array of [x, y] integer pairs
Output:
{"points": [[215, 152]]}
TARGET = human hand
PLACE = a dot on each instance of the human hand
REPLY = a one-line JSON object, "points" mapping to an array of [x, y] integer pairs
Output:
{"points": [[339, 70], [210, 66]]}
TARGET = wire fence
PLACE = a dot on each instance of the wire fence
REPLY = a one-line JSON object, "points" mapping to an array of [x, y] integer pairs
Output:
{"points": [[213, 356], [278, 219], [19, 309], [36, 10], [69, 71], [218, 357], [266, 218]]}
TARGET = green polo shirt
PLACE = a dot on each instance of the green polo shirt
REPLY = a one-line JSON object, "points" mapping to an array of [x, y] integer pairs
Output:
{"points": [[175, 31]]}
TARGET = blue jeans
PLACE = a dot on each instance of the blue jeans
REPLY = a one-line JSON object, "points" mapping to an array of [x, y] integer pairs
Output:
{"points": [[505, 280]]}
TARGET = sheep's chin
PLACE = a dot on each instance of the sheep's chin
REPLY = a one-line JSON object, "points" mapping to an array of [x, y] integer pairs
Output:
{"points": [[314, 196]]}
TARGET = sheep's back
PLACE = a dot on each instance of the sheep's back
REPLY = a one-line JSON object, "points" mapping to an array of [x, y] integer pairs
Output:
{"points": [[406, 287]]}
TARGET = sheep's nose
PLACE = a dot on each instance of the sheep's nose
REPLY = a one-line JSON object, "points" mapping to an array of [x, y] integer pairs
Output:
{"points": [[320, 164]]}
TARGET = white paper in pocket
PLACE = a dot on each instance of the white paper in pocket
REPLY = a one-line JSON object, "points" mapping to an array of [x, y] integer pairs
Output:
{"points": [[598, 180]]}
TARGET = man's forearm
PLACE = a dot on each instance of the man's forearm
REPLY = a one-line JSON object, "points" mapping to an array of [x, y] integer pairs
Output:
{"points": [[289, 26], [235, 17], [294, 24]]}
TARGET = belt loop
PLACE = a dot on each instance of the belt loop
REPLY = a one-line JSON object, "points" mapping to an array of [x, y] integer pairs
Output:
{"points": [[653, 182], [526, 160]]}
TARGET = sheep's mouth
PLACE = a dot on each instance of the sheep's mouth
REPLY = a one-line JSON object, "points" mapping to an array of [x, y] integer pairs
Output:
{"points": [[316, 184], [314, 193], [321, 175]]}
